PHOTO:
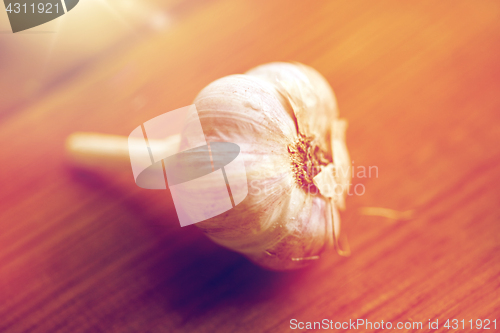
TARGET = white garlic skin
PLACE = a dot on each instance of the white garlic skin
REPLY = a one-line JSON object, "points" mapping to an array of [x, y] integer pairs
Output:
{"points": [[280, 225]]}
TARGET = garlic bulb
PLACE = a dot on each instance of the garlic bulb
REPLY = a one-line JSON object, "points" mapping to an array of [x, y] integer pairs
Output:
{"points": [[284, 118]]}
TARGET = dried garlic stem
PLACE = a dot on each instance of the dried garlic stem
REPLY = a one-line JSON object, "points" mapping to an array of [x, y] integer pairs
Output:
{"points": [[98, 151]]}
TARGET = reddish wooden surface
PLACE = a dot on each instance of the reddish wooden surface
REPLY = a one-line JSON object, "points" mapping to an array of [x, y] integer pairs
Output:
{"points": [[420, 87]]}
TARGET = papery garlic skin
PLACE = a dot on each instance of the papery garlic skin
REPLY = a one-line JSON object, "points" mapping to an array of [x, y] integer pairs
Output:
{"points": [[282, 224]]}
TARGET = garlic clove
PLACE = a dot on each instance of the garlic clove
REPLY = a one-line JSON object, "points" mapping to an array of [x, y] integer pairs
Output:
{"points": [[341, 159], [306, 95]]}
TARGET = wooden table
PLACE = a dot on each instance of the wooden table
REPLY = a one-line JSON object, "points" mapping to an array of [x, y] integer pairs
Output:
{"points": [[420, 87]]}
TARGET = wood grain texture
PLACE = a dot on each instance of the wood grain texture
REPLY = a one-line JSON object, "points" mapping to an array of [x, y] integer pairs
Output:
{"points": [[420, 87]]}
